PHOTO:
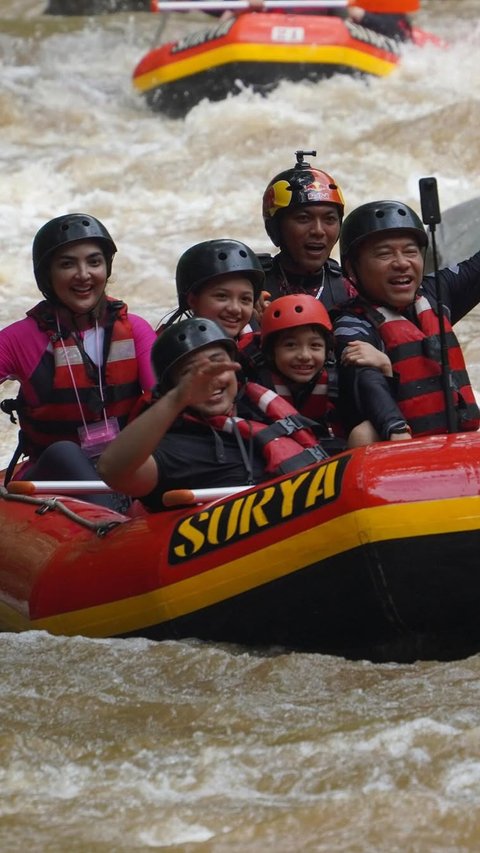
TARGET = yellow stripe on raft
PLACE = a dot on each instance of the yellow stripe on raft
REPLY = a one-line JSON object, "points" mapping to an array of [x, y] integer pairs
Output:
{"points": [[358, 528], [263, 54]]}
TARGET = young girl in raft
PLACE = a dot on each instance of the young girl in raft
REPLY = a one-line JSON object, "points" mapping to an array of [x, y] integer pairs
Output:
{"points": [[296, 339], [220, 280]]}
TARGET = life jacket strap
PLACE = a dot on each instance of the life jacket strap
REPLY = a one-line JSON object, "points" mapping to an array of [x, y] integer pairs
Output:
{"points": [[284, 426], [309, 456]]}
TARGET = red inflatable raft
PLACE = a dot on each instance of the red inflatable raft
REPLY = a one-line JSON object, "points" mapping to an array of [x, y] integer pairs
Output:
{"points": [[374, 553], [259, 50]]}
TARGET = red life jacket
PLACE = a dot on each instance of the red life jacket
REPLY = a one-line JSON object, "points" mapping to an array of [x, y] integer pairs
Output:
{"points": [[317, 405], [415, 355], [57, 416], [247, 335], [250, 352], [320, 404], [287, 444]]}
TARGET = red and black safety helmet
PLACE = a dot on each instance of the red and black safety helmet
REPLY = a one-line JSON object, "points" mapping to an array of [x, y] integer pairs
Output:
{"points": [[303, 184]]}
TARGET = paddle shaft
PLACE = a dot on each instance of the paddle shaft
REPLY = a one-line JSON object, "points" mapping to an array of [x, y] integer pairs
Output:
{"points": [[239, 5], [175, 497], [182, 497], [431, 216], [54, 487]]}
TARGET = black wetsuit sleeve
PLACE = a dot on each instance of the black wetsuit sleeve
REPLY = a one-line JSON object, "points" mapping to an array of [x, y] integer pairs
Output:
{"points": [[373, 396], [364, 393], [460, 287]]}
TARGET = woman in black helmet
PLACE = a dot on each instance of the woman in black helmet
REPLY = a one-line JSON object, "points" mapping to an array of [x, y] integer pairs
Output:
{"points": [[382, 248], [201, 430], [221, 280], [81, 359]]}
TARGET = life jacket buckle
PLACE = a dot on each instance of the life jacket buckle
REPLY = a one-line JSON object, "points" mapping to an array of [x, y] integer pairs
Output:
{"points": [[318, 453], [290, 424]]}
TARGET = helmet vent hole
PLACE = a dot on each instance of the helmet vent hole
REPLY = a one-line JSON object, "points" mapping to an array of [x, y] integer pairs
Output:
{"points": [[379, 214], [202, 327], [181, 337], [243, 253], [298, 309], [65, 226], [402, 212], [276, 314], [222, 256]]}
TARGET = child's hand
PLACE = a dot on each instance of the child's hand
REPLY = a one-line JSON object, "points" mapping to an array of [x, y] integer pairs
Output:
{"points": [[363, 354], [262, 302]]}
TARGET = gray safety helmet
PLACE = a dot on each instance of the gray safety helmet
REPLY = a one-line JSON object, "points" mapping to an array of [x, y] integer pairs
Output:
{"points": [[183, 338]]}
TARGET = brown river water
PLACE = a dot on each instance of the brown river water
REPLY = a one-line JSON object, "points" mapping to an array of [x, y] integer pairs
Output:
{"points": [[129, 745]]}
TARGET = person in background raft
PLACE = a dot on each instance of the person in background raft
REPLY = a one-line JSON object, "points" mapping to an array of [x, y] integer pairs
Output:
{"points": [[220, 280], [381, 246], [387, 17], [302, 211], [82, 360], [258, 6], [201, 429]]}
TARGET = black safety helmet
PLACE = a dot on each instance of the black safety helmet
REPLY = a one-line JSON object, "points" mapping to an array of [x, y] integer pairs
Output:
{"points": [[182, 339], [214, 258], [70, 228], [304, 184], [376, 216]]}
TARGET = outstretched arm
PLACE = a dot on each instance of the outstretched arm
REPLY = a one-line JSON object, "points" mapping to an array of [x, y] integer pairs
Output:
{"points": [[127, 464]]}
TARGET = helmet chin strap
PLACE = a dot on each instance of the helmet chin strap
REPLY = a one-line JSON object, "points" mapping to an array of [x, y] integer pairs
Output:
{"points": [[302, 275], [77, 314]]}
